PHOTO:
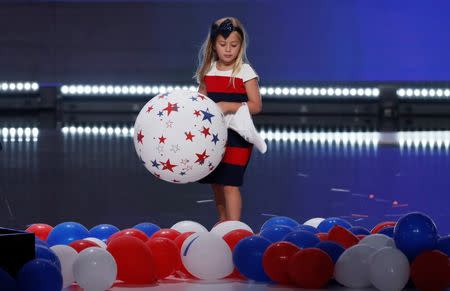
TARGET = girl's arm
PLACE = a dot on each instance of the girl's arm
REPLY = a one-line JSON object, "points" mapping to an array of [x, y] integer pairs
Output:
{"points": [[254, 102]]}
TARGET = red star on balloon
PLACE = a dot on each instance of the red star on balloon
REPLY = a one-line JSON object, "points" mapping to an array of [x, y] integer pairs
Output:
{"points": [[189, 136], [162, 139], [140, 137], [201, 157], [167, 165], [197, 113], [171, 107], [205, 131], [150, 108]]}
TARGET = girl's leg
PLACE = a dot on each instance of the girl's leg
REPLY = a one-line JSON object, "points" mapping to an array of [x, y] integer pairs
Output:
{"points": [[220, 201], [233, 202]]}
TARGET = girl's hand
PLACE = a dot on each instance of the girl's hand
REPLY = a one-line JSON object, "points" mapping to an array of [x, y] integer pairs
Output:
{"points": [[223, 106]]}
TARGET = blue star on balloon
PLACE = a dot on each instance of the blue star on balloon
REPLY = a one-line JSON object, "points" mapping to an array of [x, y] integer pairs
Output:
{"points": [[207, 115], [193, 98], [160, 113], [215, 138], [155, 164]]}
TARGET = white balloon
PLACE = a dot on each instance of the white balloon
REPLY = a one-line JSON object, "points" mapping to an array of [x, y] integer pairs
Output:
{"points": [[95, 269], [180, 136], [377, 241], [207, 256], [314, 221], [99, 242], [189, 226], [389, 269], [352, 267], [225, 227], [67, 256]]}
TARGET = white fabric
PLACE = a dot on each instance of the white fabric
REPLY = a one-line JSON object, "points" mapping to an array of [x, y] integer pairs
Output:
{"points": [[241, 122]]}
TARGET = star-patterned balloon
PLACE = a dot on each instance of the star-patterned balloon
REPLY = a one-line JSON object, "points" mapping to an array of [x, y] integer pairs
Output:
{"points": [[180, 136]]}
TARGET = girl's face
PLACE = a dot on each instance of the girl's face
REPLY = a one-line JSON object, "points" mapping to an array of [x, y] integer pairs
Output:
{"points": [[228, 49]]}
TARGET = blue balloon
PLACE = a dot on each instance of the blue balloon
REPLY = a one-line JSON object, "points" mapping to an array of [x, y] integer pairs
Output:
{"points": [[414, 233], [247, 257], [443, 245], [39, 242], [39, 275], [7, 283], [275, 233], [309, 228], [66, 232], [333, 249], [357, 230], [389, 231], [45, 253], [328, 224], [103, 231], [303, 239], [147, 227], [279, 220]]}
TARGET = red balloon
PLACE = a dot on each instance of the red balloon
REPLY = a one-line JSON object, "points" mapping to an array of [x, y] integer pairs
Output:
{"points": [[82, 244], [382, 225], [182, 272], [135, 264], [166, 256], [129, 232], [167, 233], [311, 268], [181, 238], [431, 271], [41, 230], [323, 236], [232, 238], [276, 261], [342, 236]]}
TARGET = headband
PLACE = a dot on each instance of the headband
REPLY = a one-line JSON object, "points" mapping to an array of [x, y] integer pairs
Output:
{"points": [[224, 29]]}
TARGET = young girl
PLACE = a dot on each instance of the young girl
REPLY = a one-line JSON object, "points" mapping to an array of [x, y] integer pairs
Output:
{"points": [[225, 76]]}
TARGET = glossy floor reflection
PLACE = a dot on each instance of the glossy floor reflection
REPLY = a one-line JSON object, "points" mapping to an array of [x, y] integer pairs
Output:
{"points": [[219, 285], [84, 174]]}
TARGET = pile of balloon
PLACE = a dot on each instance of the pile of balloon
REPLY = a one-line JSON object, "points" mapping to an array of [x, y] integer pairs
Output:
{"points": [[316, 254]]}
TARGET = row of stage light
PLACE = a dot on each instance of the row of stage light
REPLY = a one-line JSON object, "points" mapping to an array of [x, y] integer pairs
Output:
{"points": [[71, 90], [408, 139], [271, 91], [19, 87], [19, 134]]}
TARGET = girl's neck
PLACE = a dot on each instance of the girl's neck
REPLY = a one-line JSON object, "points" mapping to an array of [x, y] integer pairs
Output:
{"points": [[221, 66]]}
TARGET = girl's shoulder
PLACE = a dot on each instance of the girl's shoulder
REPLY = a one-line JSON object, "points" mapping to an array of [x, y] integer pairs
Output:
{"points": [[247, 72]]}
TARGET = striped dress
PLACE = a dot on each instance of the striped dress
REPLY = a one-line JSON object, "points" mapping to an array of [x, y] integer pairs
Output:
{"points": [[231, 169]]}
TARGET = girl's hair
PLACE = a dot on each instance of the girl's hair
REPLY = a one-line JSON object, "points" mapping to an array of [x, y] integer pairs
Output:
{"points": [[207, 54]]}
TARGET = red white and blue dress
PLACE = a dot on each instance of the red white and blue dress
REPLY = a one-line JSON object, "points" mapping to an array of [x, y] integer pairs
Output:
{"points": [[219, 87]]}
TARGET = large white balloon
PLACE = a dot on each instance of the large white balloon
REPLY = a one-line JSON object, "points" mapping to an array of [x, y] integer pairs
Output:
{"points": [[207, 256], [377, 241], [389, 269], [180, 136], [352, 267], [67, 256], [314, 221], [95, 269], [225, 227], [99, 242], [189, 226]]}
